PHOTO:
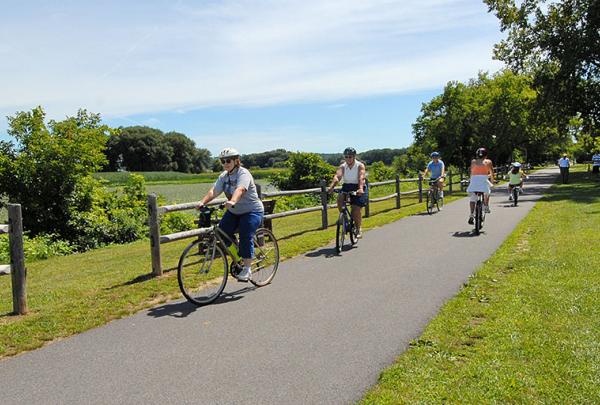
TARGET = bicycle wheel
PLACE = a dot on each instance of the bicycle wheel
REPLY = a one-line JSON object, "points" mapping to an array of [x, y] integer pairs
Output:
{"points": [[478, 213], [353, 231], [266, 257], [202, 272], [439, 202], [340, 233], [429, 202], [515, 193]]}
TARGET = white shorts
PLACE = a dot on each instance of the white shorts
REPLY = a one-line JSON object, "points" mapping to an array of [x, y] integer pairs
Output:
{"points": [[479, 184]]}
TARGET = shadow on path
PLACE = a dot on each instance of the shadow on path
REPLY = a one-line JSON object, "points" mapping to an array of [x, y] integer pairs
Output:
{"points": [[183, 309], [326, 251], [466, 234]]}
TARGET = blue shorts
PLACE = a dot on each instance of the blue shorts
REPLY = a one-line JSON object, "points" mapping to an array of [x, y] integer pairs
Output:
{"points": [[359, 201]]}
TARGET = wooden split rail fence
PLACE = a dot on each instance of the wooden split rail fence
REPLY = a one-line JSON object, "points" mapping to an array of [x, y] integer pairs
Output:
{"points": [[155, 212], [16, 268]]}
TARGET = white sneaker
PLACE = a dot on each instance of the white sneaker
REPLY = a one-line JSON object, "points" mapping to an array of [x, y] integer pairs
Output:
{"points": [[486, 209], [358, 234], [245, 274]]}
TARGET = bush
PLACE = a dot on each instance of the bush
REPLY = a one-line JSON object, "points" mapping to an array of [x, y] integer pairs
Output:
{"points": [[380, 172], [177, 222], [37, 248], [100, 217], [305, 170]]}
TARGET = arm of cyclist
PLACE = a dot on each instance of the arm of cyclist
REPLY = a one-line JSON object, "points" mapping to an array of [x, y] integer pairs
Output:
{"points": [[207, 198], [361, 180], [235, 197], [336, 178], [491, 170]]}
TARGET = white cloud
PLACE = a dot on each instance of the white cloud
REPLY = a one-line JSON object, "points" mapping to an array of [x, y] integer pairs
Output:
{"points": [[119, 59]]}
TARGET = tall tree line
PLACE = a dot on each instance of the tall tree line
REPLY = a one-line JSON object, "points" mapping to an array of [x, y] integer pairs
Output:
{"points": [[141, 148]]}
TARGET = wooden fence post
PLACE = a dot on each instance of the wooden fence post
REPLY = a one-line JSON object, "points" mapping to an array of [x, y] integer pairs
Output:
{"points": [[324, 198], [420, 187], [153, 223], [368, 208], [461, 180], [450, 184], [18, 271], [397, 191]]}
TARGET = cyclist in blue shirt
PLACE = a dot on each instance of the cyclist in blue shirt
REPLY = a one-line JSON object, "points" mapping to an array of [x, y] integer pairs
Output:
{"points": [[437, 170]]}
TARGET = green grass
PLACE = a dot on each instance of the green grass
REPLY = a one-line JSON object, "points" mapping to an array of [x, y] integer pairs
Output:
{"points": [[179, 193], [120, 178], [68, 295], [526, 328]]}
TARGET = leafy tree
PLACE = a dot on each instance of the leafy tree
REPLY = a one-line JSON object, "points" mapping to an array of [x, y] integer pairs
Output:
{"points": [[385, 155], [498, 112], [44, 166], [202, 160], [265, 159], [558, 43], [305, 170], [140, 149], [380, 172]]}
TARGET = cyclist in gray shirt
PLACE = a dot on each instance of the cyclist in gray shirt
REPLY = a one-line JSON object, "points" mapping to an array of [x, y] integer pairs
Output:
{"points": [[244, 208]]}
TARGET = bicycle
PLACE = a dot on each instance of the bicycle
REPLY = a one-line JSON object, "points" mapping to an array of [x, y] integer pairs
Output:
{"points": [[479, 212], [515, 192], [433, 197], [203, 267], [345, 223]]}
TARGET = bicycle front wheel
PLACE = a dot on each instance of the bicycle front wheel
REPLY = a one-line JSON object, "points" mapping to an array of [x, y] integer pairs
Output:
{"points": [[429, 202], [340, 233], [439, 201], [266, 257], [202, 272], [353, 232]]}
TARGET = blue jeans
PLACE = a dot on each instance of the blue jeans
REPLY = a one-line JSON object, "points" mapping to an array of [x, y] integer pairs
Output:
{"points": [[247, 225]]}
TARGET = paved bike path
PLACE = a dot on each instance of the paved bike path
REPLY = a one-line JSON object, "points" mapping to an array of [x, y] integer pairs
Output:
{"points": [[320, 334]]}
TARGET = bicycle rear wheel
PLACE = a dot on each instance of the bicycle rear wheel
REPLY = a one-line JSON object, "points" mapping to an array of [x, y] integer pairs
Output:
{"points": [[478, 217], [515, 193], [429, 202], [340, 233], [266, 257], [202, 272]]}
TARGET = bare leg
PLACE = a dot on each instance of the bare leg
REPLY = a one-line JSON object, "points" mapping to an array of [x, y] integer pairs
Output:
{"points": [[472, 206], [357, 216]]}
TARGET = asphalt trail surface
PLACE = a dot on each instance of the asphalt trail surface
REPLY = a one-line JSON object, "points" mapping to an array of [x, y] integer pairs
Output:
{"points": [[321, 333]]}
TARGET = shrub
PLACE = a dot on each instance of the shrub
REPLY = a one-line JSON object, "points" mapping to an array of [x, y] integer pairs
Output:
{"points": [[100, 217], [380, 172], [37, 248], [305, 170]]}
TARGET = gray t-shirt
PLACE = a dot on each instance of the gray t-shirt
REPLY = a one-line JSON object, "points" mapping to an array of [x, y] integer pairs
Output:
{"points": [[240, 177]]}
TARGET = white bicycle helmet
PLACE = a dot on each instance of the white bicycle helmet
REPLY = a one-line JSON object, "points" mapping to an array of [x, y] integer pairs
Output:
{"points": [[229, 153], [516, 164]]}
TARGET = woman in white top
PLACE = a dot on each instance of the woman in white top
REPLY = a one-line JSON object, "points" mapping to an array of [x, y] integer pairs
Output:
{"points": [[352, 172]]}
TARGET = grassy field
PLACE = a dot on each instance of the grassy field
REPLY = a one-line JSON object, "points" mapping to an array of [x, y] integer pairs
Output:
{"points": [[119, 178], [526, 328], [71, 294]]}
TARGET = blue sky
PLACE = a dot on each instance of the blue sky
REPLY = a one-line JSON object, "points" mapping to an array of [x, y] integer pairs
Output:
{"points": [[257, 75]]}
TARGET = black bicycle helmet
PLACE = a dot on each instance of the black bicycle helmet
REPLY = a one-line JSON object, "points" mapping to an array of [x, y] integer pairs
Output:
{"points": [[481, 152], [349, 152]]}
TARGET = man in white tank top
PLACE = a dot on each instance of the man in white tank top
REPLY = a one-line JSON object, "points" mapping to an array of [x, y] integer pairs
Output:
{"points": [[352, 172]]}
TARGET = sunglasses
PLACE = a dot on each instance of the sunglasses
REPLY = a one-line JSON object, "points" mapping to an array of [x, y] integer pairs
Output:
{"points": [[348, 156], [226, 161]]}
